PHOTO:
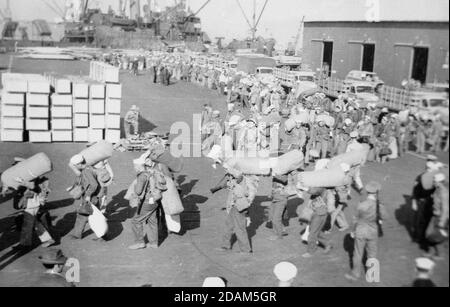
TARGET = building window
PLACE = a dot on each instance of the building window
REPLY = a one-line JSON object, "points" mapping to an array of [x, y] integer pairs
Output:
{"points": [[368, 57], [327, 60], [420, 64]]}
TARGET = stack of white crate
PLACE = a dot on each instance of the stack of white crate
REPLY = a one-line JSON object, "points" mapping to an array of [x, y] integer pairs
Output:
{"points": [[30, 93], [97, 125], [12, 121], [38, 109], [61, 109], [80, 93], [113, 109], [109, 75]]}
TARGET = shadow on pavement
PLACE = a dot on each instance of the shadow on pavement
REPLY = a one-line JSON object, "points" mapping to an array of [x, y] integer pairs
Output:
{"points": [[257, 214], [190, 218], [405, 215], [118, 212]]}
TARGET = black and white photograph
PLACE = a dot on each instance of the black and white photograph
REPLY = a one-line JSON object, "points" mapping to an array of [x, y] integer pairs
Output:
{"points": [[225, 144]]}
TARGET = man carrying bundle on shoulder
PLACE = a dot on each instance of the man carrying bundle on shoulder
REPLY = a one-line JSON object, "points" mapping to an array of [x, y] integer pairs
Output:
{"points": [[88, 190], [149, 187], [237, 207]]}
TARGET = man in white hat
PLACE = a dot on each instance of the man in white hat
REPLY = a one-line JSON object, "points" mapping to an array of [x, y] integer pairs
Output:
{"points": [[353, 144], [286, 273], [424, 270], [369, 217], [131, 121]]}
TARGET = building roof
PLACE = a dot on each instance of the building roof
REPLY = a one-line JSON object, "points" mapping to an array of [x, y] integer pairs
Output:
{"points": [[383, 10]]}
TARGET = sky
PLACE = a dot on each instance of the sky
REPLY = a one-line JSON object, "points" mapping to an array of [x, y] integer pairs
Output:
{"points": [[281, 19]]}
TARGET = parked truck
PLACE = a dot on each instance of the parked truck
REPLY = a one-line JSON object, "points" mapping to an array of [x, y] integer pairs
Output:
{"points": [[251, 63]]}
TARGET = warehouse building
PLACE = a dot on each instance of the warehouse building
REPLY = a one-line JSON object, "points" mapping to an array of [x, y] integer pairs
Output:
{"points": [[395, 50]]}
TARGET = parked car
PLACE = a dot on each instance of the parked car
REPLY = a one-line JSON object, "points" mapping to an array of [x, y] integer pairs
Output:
{"points": [[365, 76]]}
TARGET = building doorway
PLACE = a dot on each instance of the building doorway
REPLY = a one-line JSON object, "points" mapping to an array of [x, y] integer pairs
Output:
{"points": [[420, 64], [368, 57], [327, 59]]}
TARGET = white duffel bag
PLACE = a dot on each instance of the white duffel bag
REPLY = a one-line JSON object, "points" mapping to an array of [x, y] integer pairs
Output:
{"points": [[28, 170], [100, 151], [353, 158], [286, 163], [173, 223], [249, 166], [171, 200], [98, 223], [326, 178]]}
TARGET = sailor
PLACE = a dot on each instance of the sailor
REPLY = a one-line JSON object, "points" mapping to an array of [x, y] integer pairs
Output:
{"points": [[422, 202], [286, 273], [437, 232], [131, 121], [149, 188], [424, 270], [369, 217], [91, 190], [237, 213]]}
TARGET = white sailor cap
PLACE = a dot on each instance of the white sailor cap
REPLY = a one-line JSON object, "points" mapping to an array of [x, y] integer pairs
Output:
{"points": [[348, 121], [214, 282], [285, 271], [439, 178], [424, 264]]}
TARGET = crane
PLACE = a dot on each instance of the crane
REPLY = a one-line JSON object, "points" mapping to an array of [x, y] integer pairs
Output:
{"points": [[253, 26], [54, 8], [299, 38]]}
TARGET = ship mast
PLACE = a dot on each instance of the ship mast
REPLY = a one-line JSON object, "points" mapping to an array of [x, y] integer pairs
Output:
{"points": [[253, 26]]}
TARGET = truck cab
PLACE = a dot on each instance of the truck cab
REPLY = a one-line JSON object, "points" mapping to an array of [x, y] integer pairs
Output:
{"points": [[363, 93], [430, 104], [264, 71], [364, 76]]}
